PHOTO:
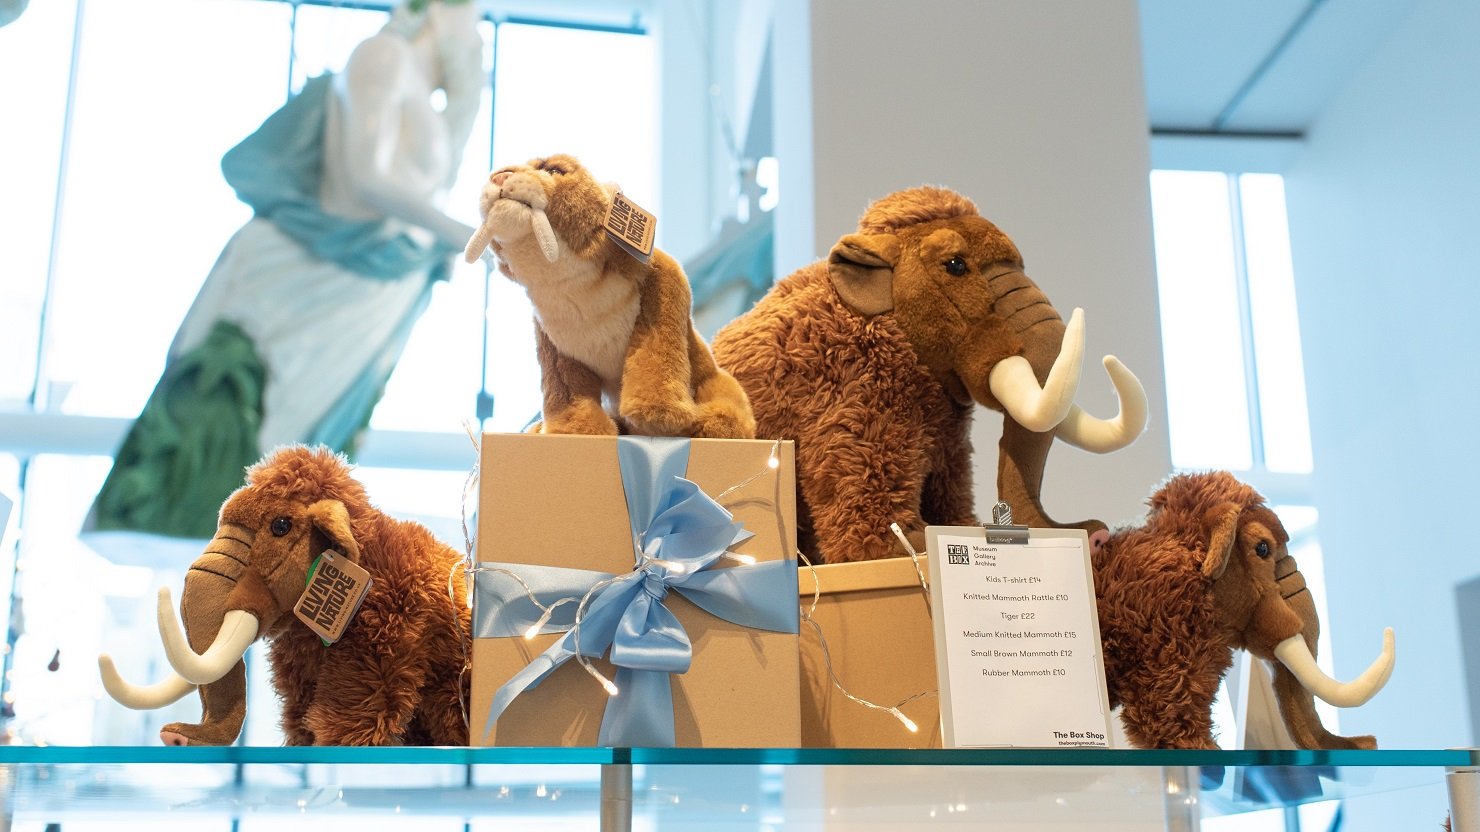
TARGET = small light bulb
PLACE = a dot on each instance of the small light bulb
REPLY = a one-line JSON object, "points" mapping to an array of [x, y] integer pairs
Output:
{"points": [[534, 629], [747, 560], [773, 463], [906, 721], [606, 684]]}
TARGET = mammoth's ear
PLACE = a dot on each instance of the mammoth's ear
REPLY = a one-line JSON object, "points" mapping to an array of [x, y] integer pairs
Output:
{"points": [[861, 267], [331, 529], [1222, 534]]}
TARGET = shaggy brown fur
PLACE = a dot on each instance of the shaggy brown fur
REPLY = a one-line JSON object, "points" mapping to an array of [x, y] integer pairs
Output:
{"points": [[395, 675], [878, 438], [1178, 593], [871, 362], [608, 327]]}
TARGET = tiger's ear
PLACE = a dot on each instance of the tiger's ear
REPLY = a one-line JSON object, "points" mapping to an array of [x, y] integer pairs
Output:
{"points": [[861, 267]]}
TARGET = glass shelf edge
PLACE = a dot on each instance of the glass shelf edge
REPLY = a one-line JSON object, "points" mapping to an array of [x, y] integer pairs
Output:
{"points": [[105, 755]]}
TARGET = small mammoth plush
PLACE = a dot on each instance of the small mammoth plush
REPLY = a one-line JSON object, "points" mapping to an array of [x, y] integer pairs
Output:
{"points": [[617, 349], [395, 676], [1207, 572]]}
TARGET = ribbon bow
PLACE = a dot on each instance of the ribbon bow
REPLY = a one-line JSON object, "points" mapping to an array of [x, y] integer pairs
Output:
{"points": [[678, 534]]}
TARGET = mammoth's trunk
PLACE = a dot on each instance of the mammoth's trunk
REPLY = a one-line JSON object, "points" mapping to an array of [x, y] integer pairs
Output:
{"points": [[1023, 450], [1297, 680], [224, 700], [214, 642]]}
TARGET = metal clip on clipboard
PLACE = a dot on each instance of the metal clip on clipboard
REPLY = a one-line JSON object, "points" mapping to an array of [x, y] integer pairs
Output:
{"points": [[1001, 530]]}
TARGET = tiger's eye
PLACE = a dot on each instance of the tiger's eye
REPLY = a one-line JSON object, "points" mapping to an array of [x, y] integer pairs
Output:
{"points": [[281, 526], [956, 266]]}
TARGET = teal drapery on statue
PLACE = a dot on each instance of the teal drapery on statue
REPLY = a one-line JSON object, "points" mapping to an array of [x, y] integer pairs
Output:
{"points": [[202, 425]]}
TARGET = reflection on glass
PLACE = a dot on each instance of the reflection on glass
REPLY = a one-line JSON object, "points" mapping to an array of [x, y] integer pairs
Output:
{"points": [[1281, 372], [1207, 403], [1269, 820]]}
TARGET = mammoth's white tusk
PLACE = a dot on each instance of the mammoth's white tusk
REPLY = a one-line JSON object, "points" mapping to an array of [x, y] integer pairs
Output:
{"points": [[1102, 436], [238, 631], [140, 698], [479, 241], [544, 234], [1036, 408], [1294, 655]]}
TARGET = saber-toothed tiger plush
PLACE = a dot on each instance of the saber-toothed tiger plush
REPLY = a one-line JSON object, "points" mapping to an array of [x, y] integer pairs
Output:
{"points": [[608, 327]]}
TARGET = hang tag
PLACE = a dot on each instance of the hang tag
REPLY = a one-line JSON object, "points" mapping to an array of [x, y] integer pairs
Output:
{"points": [[631, 227], [336, 588]]}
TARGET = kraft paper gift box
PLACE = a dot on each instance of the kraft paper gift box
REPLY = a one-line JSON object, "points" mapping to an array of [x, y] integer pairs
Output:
{"points": [[553, 510], [879, 636]]}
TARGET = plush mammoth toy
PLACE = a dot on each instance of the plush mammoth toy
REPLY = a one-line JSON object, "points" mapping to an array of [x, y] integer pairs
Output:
{"points": [[1209, 571], [873, 360], [607, 326], [395, 677]]}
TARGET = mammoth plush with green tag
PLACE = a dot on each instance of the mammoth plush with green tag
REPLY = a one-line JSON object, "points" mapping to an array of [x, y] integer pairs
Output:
{"points": [[395, 675]]}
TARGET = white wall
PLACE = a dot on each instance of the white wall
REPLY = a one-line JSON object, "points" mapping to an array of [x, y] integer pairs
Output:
{"points": [[1383, 213], [1035, 111]]}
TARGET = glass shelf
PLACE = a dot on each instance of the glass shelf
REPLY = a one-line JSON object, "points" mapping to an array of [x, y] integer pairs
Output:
{"points": [[768, 790], [421, 755]]}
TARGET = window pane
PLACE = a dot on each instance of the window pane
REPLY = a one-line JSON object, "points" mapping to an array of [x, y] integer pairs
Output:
{"points": [[325, 35], [612, 132], [436, 382], [1202, 338], [431, 498], [1281, 372], [38, 48], [614, 135], [164, 88]]}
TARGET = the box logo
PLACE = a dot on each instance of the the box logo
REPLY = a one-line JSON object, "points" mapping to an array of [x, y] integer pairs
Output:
{"points": [[956, 553]]}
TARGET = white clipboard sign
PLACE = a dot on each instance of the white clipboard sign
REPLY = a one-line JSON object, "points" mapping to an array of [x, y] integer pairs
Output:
{"points": [[1017, 638]]}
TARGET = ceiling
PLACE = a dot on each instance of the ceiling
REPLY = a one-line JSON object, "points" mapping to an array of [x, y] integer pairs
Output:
{"points": [[1255, 66]]}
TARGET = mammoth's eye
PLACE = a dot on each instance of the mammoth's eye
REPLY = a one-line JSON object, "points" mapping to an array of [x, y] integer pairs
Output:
{"points": [[1262, 550], [956, 266], [281, 526]]}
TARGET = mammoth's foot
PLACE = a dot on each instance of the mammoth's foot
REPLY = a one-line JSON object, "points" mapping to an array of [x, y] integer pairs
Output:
{"points": [[582, 416], [723, 420], [185, 733], [654, 417]]}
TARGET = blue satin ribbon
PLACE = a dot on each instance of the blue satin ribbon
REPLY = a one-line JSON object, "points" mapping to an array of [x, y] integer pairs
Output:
{"points": [[674, 521]]}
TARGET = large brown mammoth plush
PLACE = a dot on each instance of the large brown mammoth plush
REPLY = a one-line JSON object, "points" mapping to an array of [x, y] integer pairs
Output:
{"points": [[395, 677], [1207, 572], [872, 361]]}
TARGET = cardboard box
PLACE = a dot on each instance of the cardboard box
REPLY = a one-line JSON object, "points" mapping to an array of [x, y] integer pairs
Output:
{"points": [[876, 620], [558, 501]]}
